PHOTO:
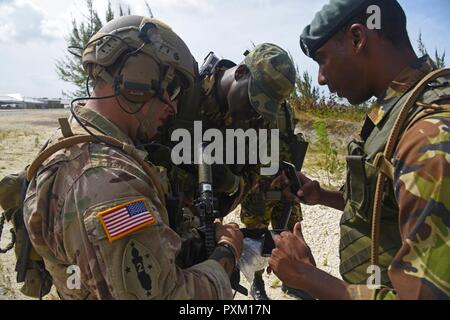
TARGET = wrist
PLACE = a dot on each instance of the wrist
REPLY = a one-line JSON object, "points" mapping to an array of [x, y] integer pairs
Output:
{"points": [[224, 255], [313, 279], [323, 195], [232, 248], [306, 275]]}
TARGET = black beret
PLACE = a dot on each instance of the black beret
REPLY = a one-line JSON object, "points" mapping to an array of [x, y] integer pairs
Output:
{"points": [[329, 20]]}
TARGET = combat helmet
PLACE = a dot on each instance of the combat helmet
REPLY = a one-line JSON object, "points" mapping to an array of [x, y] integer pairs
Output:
{"points": [[139, 56]]}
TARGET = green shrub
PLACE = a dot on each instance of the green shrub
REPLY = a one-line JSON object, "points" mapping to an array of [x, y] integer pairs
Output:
{"points": [[329, 160]]}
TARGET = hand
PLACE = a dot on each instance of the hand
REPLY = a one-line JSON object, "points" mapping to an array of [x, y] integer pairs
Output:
{"points": [[292, 258], [282, 182], [231, 234], [310, 192]]}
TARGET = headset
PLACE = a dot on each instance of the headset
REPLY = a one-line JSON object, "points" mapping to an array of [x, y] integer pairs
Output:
{"points": [[134, 78]]}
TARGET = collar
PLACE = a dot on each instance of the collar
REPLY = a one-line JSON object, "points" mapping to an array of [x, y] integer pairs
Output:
{"points": [[402, 84], [101, 124]]}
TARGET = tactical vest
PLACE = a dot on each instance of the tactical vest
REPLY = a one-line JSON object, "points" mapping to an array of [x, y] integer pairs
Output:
{"points": [[362, 171]]}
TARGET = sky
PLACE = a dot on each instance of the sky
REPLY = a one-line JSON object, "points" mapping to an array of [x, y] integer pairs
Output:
{"points": [[33, 32]]}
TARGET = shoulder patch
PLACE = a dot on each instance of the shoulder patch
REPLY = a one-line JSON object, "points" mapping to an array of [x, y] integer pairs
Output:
{"points": [[140, 271], [126, 218]]}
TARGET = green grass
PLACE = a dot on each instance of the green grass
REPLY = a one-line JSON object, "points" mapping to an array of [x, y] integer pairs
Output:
{"points": [[330, 109]]}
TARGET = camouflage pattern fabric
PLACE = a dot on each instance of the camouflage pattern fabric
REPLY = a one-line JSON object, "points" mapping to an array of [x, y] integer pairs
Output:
{"points": [[61, 214], [272, 78], [420, 269], [263, 206]]}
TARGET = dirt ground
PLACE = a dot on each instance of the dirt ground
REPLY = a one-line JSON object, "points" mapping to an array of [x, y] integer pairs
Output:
{"points": [[22, 134]]}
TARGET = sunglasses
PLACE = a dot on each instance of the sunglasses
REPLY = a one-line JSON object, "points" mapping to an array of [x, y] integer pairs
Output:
{"points": [[175, 90]]}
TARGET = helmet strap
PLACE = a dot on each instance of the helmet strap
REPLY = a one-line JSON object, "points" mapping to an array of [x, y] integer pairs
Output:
{"points": [[100, 72], [167, 77]]}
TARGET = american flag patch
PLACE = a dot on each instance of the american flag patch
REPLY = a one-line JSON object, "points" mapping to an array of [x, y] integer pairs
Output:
{"points": [[125, 219]]}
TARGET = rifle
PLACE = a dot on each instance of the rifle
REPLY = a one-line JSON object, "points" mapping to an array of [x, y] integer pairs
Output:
{"points": [[298, 148], [298, 151], [204, 205]]}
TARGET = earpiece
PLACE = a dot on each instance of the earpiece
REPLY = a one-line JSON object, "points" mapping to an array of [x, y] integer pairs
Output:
{"points": [[136, 81], [140, 75]]}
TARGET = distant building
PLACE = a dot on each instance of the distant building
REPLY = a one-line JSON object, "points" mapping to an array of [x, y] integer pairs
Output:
{"points": [[16, 101], [11, 102], [52, 103]]}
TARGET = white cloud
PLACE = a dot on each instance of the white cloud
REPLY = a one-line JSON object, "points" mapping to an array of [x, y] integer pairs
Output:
{"points": [[24, 21], [7, 31]]}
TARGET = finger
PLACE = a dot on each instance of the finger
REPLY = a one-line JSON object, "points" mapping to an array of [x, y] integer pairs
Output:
{"points": [[286, 181], [285, 234], [298, 231], [278, 240], [273, 258], [303, 179], [234, 225], [289, 196]]}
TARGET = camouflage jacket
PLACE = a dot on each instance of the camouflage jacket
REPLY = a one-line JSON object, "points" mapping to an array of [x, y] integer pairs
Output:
{"points": [[66, 210], [420, 269]]}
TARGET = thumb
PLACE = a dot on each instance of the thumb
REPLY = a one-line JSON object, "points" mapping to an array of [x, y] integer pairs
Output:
{"points": [[303, 179], [298, 230]]}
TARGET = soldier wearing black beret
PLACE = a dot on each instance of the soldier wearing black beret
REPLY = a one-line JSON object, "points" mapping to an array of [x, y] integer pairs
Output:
{"points": [[395, 227]]}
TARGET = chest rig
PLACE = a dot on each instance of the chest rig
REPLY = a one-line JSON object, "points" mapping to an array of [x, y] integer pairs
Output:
{"points": [[365, 239]]}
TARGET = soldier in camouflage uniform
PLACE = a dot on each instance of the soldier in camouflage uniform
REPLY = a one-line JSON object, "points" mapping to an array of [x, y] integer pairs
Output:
{"points": [[240, 97], [262, 206], [96, 209], [412, 244]]}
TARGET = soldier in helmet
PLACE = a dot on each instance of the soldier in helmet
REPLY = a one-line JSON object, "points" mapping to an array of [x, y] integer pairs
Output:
{"points": [[248, 95], [94, 208], [395, 227]]}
